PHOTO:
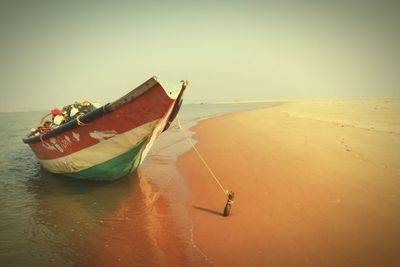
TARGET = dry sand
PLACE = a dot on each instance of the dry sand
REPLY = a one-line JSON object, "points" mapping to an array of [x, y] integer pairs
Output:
{"points": [[317, 183]]}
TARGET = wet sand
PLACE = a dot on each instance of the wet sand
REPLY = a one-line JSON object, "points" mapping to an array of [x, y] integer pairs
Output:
{"points": [[317, 183], [151, 242]]}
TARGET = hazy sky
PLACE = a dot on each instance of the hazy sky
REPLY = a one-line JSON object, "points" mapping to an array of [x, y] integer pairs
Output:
{"points": [[53, 53]]}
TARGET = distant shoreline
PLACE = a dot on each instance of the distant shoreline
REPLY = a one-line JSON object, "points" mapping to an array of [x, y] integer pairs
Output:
{"points": [[247, 102], [298, 100]]}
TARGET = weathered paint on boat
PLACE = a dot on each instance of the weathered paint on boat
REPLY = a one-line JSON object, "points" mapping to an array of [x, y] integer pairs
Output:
{"points": [[116, 167], [112, 141]]}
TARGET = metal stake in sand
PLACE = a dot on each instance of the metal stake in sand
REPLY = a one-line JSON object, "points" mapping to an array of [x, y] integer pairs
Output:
{"points": [[230, 194], [229, 202]]}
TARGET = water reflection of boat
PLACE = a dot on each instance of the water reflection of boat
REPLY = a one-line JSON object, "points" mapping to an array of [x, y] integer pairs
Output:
{"points": [[69, 215], [111, 141]]}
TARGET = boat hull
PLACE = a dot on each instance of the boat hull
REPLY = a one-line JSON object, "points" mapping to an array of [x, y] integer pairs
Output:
{"points": [[113, 144], [114, 168]]}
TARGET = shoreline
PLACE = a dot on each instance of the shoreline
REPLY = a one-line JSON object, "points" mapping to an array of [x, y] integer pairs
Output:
{"points": [[299, 100]]}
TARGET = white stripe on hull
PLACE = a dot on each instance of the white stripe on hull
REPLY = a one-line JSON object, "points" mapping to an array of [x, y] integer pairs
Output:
{"points": [[101, 152]]}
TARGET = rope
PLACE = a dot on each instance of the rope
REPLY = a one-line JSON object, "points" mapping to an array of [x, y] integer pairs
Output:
{"points": [[44, 117], [79, 121], [226, 192], [41, 138]]}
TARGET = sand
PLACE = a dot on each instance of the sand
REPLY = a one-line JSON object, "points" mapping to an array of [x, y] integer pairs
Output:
{"points": [[317, 183]]}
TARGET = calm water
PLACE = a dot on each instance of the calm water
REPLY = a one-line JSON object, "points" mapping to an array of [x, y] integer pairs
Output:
{"points": [[52, 220]]}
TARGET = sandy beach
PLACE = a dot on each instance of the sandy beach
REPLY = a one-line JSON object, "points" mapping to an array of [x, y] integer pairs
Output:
{"points": [[317, 183]]}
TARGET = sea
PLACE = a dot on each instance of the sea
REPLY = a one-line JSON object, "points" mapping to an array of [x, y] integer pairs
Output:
{"points": [[53, 220]]}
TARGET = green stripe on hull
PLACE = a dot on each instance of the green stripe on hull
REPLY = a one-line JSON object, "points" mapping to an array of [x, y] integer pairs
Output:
{"points": [[114, 168]]}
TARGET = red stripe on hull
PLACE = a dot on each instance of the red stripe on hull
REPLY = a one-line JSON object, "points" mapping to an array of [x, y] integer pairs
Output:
{"points": [[148, 107]]}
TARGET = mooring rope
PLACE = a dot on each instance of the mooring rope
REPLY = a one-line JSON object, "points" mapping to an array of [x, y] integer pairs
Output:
{"points": [[226, 192]]}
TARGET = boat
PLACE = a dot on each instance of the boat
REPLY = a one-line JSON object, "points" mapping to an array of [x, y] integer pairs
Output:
{"points": [[113, 140]]}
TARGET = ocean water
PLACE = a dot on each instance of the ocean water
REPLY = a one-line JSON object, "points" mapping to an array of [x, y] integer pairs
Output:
{"points": [[52, 220]]}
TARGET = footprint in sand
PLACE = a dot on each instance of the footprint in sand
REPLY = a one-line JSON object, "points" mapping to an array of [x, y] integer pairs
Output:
{"points": [[346, 147]]}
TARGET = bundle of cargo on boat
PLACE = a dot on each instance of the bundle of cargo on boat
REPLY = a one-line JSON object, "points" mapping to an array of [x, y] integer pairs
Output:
{"points": [[87, 141], [57, 117]]}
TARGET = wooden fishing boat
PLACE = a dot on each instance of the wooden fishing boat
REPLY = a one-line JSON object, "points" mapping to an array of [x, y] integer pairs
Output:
{"points": [[111, 141]]}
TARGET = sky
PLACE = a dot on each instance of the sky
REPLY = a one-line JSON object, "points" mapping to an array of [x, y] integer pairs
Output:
{"points": [[53, 53]]}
